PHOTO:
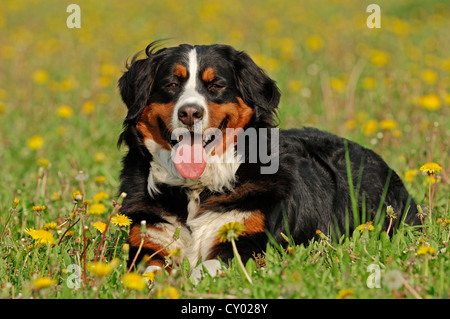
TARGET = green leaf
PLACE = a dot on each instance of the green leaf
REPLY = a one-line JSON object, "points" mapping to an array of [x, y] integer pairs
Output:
{"points": [[250, 266], [185, 267]]}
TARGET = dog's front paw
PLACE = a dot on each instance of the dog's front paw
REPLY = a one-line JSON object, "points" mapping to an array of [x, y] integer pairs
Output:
{"points": [[213, 267]]}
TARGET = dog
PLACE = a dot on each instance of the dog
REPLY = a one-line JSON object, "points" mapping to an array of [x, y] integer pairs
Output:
{"points": [[188, 107]]}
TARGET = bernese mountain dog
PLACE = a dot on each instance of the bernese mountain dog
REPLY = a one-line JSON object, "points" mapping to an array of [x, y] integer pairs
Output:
{"points": [[204, 151]]}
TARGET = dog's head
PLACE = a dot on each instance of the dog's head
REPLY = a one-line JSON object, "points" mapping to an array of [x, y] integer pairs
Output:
{"points": [[194, 93]]}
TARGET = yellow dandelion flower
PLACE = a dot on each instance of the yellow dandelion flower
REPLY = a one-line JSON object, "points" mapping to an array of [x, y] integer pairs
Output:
{"points": [[368, 226], [64, 111], [100, 197], [447, 98], [388, 125], [99, 226], [40, 76], [294, 86], [167, 293], [96, 209], [100, 269], [2, 107], [345, 294], [77, 195], [149, 276], [368, 82], [443, 221], [432, 180], [43, 162], [397, 133], [100, 157], [429, 76], [425, 250], [38, 208], [134, 281], [99, 179], [230, 231], [369, 127], [55, 196], [121, 220], [45, 282], [15, 202], [430, 102], [379, 58], [430, 168], [50, 226], [42, 237], [174, 252], [88, 107], [314, 43], [410, 174], [337, 85], [35, 142], [69, 233], [350, 125]]}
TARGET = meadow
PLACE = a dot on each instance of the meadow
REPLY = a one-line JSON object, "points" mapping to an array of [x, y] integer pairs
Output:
{"points": [[61, 114]]}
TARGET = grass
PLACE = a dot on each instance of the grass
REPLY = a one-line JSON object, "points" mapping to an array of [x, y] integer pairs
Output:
{"points": [[60, 118]]}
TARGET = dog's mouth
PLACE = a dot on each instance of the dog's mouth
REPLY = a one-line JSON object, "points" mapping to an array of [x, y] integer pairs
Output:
{"points": [[191, 145]]}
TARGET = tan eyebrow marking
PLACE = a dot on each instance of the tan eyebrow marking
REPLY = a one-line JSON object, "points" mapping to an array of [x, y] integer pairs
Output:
{"points": [[208, 75], [180, 71]]}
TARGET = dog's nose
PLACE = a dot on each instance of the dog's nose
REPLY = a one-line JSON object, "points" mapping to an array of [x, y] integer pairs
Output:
{"points": [[189, 113]]}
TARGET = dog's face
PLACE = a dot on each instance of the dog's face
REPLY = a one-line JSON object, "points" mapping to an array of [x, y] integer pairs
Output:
{"points": [[186, 96]]}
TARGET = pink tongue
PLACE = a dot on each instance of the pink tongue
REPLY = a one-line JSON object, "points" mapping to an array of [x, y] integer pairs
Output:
{"points": [[190, 158]]}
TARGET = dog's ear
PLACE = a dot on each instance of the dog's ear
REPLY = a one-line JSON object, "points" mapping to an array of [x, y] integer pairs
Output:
{"points": [[135, 86], [258, 90]]}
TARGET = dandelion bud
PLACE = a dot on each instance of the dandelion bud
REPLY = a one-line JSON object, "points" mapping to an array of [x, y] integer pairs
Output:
{"points": [[121, 198], [143, 227], [285, 237], [176, 235], [125, 248], [419, 209], [389, 210], [87, 232], [15, 203], [321, 235]]}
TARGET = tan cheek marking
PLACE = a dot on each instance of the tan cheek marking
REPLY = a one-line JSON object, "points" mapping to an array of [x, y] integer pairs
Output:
{"points": [[238, 114], [208, 75], [148, 122], [180, 71]]}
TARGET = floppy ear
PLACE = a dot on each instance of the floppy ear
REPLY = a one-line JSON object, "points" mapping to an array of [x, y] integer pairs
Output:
{"points": [[135, 86], [258, 90]]}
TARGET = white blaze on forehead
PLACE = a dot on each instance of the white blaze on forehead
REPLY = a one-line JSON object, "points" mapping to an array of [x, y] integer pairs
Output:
{"points": [[190, 95]]}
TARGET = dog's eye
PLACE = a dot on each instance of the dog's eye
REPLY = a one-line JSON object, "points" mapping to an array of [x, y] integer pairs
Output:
{"points": [[172, 85], [214, 86]]}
